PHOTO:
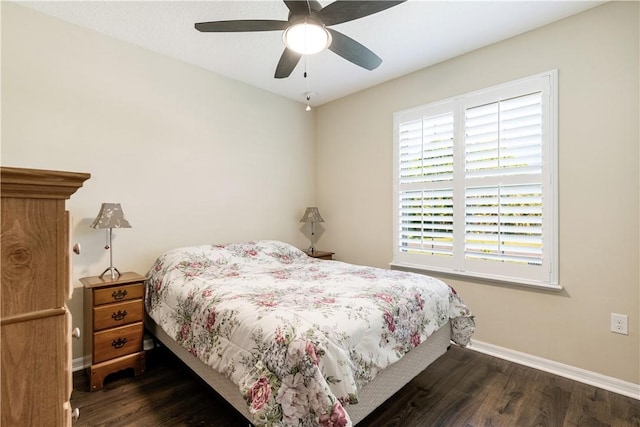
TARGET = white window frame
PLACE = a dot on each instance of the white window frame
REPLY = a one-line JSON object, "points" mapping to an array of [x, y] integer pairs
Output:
{"points": [[544, 275]]}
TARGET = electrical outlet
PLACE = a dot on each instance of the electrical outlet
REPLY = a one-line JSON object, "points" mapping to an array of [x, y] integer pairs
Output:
{"points": [[620, 323]]}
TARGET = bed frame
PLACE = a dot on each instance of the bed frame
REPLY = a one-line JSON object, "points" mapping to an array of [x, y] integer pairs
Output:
{"points": [[372, 395]]}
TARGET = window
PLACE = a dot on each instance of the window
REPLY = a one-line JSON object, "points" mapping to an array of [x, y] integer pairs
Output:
{"points": [[475, 184]]}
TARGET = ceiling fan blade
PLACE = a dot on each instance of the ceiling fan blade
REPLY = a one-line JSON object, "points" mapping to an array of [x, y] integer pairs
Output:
{"points": [[348, 10], [298, 7], [287, 63], [353, 51], [241, 25]]}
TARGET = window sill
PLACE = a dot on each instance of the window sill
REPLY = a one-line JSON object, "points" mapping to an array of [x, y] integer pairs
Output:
{"points": [[416, 268]]}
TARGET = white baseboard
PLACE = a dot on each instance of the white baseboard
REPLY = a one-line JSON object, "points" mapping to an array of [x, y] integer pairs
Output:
{"points": [[614, 385], [80, 363]]}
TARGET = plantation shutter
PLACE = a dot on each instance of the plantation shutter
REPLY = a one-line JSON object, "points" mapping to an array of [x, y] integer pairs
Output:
{"points": [[426, 221], [425, 203], [504, 138], [426, 150], [503, 216], [475, 187], [504, 223]]}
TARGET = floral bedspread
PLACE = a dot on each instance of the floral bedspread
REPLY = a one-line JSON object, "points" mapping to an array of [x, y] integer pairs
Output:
{"points": [[299, 336]]}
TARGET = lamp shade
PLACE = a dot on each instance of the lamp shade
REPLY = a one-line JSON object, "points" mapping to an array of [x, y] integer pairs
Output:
{"points": [[110, 216], [312, 214]]}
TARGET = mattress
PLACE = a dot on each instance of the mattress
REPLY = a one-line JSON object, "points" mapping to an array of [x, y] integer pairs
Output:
{"points": [[299, 337], [376, 392]]}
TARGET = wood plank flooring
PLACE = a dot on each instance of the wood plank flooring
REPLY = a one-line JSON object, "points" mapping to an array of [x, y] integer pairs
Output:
{"points": [[462, 388]]}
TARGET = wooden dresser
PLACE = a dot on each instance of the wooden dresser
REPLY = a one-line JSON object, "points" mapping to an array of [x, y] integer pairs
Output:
{"points": [[113, 314], [35, 322]]}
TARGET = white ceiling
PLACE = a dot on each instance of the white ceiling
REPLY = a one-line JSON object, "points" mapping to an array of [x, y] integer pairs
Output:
{"points": [[408, 37]]}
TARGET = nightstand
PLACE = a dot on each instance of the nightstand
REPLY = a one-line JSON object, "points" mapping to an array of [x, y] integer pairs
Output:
{"points": [[113, 314], [320, 254]]}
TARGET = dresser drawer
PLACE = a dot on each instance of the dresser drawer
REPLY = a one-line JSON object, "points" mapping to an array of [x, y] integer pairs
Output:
{"points": [[117, 342], [118, 293], [119, 314]]}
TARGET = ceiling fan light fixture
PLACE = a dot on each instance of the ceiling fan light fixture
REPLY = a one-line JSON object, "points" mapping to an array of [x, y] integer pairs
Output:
{"points": [[306, 37]]}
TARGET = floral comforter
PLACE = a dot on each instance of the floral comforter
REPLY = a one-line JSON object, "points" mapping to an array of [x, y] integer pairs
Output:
{"points": [[299, 336]]}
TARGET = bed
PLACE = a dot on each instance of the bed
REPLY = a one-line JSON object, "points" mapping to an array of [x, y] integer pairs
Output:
{"points": [[292, 340]]}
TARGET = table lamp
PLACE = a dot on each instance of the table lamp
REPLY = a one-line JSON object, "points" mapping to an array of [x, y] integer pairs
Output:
{"points": [[110, 217], [312, 215]]}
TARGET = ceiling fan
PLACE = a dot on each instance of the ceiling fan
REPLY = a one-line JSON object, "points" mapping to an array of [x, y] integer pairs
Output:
{"points": [[306, 32]]}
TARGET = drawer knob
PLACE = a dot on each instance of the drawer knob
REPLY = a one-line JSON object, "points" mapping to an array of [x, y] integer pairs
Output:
{"points": [[119, 315], [77, 248], [119, 343], [75, 414], [119, 294], [76, 333]]}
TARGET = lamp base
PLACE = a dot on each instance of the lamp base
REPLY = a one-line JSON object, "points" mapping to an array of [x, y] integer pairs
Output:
{"points": [[114, 273]]}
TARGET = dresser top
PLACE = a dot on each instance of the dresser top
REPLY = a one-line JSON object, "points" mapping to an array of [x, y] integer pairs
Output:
{"points": [[39, 183]]}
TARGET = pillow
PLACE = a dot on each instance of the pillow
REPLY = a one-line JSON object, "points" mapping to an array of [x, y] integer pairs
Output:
{"points": [[281, 251], [265, 251]]}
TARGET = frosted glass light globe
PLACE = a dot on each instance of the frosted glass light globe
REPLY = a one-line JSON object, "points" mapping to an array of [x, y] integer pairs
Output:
{"points": [[306, 37]]}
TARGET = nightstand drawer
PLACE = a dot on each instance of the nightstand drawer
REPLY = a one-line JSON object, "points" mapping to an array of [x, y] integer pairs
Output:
{"points": [[117, 342], [120, 314], [118, 293]]}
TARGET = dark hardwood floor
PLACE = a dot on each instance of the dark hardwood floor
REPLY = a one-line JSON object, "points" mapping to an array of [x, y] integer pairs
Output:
{"points": [[462, 388]]}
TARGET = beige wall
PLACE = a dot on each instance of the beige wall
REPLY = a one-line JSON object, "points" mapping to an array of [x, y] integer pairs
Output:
{"points": [[192, 156], [597, 55]]}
